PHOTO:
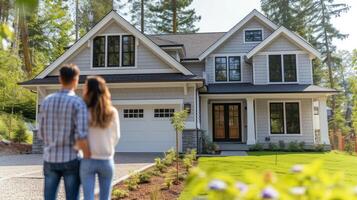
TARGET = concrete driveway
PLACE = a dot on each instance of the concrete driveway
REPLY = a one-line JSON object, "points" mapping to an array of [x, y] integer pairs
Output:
{"points": [[21, 175]]}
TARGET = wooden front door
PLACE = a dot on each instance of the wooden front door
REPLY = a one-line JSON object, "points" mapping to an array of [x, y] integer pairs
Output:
{"points": [[227, 122]]}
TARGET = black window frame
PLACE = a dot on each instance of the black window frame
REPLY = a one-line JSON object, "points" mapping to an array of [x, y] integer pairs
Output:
{"points": [[283, 69], [275, 72], [230, 69], [286, 118], [164, 112], [226, 68], [109, 53], [282, 120], [129, 52], [133, 113], [253, 37], [95, 52]]}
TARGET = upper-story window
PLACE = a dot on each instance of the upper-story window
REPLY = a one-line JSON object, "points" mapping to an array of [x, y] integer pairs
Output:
{"points": [[282, 68], [113, 51], [228, 68], [253, 35]]}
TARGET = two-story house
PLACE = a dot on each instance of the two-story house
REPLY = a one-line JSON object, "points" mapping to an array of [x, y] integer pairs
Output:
{"points": [[252, 84]]}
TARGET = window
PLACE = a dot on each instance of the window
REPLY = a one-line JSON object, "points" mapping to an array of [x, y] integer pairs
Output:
{"points": [[234, 68], [163, 112], [128, 50], [113, 51], [221, 68], [253, 35], [282, 68], [99, 51], [133, 113], [284, 118]]}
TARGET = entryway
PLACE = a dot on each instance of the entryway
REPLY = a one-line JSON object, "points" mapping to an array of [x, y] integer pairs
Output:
{"points": [[227, 122]]}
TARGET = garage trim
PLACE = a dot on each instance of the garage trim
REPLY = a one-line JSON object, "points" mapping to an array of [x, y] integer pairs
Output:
{"points": [[149, 102]]}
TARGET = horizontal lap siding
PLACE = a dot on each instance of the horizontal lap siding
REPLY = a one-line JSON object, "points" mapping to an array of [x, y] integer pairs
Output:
{"points": [[305, 69], [260, 69], [281, 44], [196, 68], [263, 129]]}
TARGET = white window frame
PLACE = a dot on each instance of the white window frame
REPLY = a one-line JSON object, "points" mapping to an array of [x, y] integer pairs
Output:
{"points": [[253, 29], [284, 111], [120, 52], [282, 68], [227, 58]]}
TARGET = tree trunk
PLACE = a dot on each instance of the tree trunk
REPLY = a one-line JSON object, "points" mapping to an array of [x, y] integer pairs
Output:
{"points": [[77, 24], [174, 16], [177, 157], [24, 41], [142, 16]]}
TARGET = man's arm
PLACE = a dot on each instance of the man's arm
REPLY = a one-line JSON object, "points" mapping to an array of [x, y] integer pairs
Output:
{"points": [[81, 132]]}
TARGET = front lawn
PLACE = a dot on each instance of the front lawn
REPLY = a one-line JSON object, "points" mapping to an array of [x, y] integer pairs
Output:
{"points": [[262, 161]]}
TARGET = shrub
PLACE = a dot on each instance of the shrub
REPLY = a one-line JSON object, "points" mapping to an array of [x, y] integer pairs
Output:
{"points": [[349, 146], [281, 144], [20, 134], [209, 147], [144, 177], [302, 146], [273, 147], [170, 157], [119, 193], [3, 129], [187, 163], [169, 179], [293, 146], [133, 182], [319, 147], [156, 194], [256, 147], [159, 165]]}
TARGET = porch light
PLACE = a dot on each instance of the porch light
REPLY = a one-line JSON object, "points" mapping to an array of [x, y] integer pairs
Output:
{"points": [[187, 106]]}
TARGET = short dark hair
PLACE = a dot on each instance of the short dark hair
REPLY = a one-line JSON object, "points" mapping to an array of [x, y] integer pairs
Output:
{"points": [[68, 72]]}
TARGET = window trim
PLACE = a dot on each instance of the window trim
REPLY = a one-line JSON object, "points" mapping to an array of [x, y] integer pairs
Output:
{"points": [[282, 68], [284, 111], [134, 118], [122, 53], [253, 29], [120, 67], [163, 118], [227, 58]]}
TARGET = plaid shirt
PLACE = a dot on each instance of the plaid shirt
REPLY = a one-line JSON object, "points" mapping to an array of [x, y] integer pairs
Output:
{"points": [[63, 118]]}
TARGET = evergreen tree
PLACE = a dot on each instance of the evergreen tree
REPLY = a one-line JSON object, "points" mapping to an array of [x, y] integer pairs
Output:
{"points": [[136, 7], [174, 16]]}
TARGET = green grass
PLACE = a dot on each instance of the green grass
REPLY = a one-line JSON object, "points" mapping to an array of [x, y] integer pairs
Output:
{"points": [[263, 161]]}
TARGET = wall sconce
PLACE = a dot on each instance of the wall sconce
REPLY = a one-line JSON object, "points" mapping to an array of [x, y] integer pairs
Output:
{"points": [[187, 106]]}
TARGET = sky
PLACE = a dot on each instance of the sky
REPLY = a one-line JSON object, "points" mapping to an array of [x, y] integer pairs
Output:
{"points": [[221, 15]]}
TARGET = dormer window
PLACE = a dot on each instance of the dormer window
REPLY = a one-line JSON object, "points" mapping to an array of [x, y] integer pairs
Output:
{"points": [[253, 35], [113, 51]]}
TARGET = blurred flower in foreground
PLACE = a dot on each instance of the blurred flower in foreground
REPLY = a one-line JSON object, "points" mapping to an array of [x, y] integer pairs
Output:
{"points": [[270, 193], [217, 185]]}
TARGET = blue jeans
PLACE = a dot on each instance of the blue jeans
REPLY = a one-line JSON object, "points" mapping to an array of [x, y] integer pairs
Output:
{"points": [[53, 173], [105, 170]]}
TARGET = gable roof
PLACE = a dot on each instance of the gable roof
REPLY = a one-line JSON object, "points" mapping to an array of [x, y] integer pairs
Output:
{"points": [[240, 24], [120, 20], [298, 40], [194, 43]]}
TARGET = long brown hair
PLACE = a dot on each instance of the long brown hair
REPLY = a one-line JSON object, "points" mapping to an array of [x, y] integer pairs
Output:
{"points": [[98, 99]]}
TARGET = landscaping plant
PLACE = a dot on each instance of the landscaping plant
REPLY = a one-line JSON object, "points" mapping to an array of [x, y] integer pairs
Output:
{"points": [[178, 122], [133, 182], [119, 193]]}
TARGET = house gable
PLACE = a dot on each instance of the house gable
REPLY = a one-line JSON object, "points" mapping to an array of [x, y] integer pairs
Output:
{"points": [[150, 57]]}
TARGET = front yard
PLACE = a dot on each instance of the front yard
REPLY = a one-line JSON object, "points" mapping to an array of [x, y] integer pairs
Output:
{"points": [[262, 161]]}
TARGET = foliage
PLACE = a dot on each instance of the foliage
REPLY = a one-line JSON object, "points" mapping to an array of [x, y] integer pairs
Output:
{"points": [[159, 165], [319, 147], [169, 179], [21, 134], [164, 20], [281, 144], [256, 147], [156, 194], [302, 183], [170, 157], [144, 177], [293, 146], [135, 15], [188, 159], [119, 193], [349, 146], [273, 147], [208, 146], [132, 182]]}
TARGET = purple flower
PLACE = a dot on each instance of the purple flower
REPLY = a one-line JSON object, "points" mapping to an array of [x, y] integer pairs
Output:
{"points": [[297, 168], [217, 185], [241, 186], [298, 190], [270, 193]]}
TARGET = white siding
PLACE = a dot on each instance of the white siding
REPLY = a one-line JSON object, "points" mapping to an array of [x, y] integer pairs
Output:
{"points": [[281, 44], [305, 69], [260, 69], [263, 129], [196, 68]]}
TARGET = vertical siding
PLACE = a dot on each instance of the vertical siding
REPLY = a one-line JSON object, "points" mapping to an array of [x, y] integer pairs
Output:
{"points": [[263, 129]]}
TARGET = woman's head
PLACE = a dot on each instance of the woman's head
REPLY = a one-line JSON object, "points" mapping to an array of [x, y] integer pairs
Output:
{"points": [[97, 97]]}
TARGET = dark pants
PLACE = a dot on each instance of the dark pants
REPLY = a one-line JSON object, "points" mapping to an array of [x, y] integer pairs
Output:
{"points": [[53, 173]]}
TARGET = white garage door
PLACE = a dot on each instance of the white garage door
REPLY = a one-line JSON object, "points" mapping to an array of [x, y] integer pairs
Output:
{"points": [[146, 128]]}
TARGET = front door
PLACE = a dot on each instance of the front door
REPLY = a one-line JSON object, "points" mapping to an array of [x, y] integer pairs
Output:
{"points": [[227, 122]]}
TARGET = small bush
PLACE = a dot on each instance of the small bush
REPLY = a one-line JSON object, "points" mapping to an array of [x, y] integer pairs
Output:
{"points": [[302, 146], [169, 179], [133, 182], [281, 144], [21, 134], [170, 157], [273, 147], [119, 193], [187, 163], [159, 165], [156, 194], [144, 177], [256, 147], [319, 147], [208, 146], [293, 146]]}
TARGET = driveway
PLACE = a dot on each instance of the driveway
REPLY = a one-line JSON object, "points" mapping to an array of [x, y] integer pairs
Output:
{"points": [[21, 175]]}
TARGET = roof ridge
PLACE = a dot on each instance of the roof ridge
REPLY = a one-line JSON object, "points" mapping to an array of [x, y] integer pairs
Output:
{"points": [[163, 34]]}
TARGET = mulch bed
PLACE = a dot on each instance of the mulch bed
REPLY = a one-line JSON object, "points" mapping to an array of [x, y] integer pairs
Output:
{"points": [[14, 148], [155, 186]]}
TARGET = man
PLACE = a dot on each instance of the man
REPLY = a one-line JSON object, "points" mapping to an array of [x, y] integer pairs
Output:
{"points": [[63, 124]]}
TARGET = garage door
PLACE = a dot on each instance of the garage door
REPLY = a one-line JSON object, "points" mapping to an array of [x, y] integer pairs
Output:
{"points": [[146, 128]]}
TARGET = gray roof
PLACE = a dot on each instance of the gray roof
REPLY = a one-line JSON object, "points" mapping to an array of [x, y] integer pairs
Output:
{"points": [[194, 43], [122, 78], [248, 88]]}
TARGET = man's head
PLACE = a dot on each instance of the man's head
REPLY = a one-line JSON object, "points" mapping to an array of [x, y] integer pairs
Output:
{"points": [[69, 76]]}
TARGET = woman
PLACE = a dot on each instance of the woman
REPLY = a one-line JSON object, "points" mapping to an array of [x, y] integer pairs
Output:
{"points": [[103, 135]]}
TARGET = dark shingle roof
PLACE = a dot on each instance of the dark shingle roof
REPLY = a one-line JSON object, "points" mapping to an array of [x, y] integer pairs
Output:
{"points": [[247, 88], [122, 78], [194, 43]]}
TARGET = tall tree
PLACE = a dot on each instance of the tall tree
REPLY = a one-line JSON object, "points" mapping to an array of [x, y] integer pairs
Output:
{"points": [[141, 16], [172, 16], [353, 85]]}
